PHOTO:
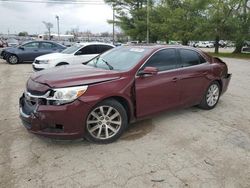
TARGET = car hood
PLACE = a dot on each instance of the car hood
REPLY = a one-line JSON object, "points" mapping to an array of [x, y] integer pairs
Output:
{"points": [[53, 56], [73, 75]]}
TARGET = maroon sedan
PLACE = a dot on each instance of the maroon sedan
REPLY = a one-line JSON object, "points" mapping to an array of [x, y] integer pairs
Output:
{"points": [[98, 100]]}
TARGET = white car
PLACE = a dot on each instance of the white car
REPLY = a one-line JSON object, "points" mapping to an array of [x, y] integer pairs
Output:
{"points": [[205, 44], [76, 54]]}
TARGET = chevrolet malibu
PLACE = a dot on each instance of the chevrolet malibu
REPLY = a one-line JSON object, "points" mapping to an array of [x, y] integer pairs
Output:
{"points": [[98, 100]]}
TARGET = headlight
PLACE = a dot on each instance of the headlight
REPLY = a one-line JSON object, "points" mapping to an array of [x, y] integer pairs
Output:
{"points": [[44, 61], [66, 95]]}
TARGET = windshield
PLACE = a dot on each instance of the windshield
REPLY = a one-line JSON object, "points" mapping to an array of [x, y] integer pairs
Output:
{"points": [[72, 49], [120, 58]]}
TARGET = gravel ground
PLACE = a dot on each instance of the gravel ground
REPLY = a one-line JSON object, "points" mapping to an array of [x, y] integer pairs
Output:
{"points": [[184, 148]]}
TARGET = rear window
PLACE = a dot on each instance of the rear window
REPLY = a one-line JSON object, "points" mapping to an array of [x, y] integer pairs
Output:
{"points": [[189, 58], [103, 48]]}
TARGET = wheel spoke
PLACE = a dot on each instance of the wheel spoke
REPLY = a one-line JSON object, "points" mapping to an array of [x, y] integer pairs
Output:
{"points": [[106, 131], [109, 110], [114, 115], [92, 121], [115, 122], [112, 129], [101, 110], [215, 91], [94, 128], [99, 132], [95, 115]]}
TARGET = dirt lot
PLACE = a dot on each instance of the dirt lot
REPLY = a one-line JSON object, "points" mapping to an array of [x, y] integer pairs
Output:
{"points": [[185, 148]]}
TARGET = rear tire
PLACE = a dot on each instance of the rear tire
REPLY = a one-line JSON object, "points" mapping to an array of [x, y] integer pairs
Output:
{"points": [[106, 122], [13, 59], [211, 96]]}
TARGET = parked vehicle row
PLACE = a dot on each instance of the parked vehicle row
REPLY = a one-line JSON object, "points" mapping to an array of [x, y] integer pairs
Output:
{"points": [[210, 44], [98, 100]]}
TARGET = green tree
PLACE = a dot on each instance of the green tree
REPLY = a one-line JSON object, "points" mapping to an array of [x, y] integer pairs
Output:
{"points": [[23, 34], [241, 23], [178, 20], [131, 17], [220, 15]]}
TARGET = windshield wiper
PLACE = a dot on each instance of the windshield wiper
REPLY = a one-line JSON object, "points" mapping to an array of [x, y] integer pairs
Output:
{"points": [[110, 66]]}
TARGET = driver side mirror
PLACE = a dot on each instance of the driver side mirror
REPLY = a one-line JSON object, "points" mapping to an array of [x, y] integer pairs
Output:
{"points": [[150, 71], [78, 53], [21, 47]]}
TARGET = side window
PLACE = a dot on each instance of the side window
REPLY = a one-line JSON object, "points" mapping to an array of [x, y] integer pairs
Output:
{"points": [[31, 45], [103, 48], [163, 60], [46, 45], [189, 58], [88, 50]]}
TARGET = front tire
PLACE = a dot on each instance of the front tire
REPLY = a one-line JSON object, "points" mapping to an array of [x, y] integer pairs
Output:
{"points": [[106, 122], [13, 59], [211, 97]]}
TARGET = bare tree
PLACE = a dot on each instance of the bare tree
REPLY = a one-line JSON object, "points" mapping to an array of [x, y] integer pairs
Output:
{"points": [[48, 25]]}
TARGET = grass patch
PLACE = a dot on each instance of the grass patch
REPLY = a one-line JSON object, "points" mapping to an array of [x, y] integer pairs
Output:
{"points": [[230, 55]]}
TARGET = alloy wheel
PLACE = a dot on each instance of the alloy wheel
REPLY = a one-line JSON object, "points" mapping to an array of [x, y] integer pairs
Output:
{"points": [[213, 95], [104, 122], [13, 59]]}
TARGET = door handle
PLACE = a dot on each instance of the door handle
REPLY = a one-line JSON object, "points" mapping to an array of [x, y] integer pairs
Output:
{"points": [[205, 73], [174, 79]]}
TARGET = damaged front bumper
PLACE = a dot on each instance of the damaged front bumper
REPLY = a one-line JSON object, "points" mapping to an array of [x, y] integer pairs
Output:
{"points": [[62, 122]]}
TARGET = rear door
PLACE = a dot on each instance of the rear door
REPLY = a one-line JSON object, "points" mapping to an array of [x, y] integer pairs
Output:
{"points": [[155, 93], [46, 48], [194, 76]]}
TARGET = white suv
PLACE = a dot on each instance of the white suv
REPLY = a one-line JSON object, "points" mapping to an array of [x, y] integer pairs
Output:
{"points": [[76, 54]]}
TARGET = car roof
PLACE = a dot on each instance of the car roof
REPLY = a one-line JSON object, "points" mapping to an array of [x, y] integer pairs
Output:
{"points": [[95, 43], [156, 47], [160, 46]]}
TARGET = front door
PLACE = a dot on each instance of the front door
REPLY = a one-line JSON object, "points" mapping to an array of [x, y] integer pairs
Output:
{"points": [[155, 93], [30, 51]]}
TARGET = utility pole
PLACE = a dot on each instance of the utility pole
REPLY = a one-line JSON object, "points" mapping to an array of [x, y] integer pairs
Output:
{"points": [[147, 21], [58, 31], [113, 24]]}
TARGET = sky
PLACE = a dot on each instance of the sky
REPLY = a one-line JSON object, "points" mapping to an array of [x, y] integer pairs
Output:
{"points": [[27, 16]]}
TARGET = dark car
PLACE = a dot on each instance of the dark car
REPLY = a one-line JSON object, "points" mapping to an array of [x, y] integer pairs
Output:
{"points": [[27, 52], [98, 100]]}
